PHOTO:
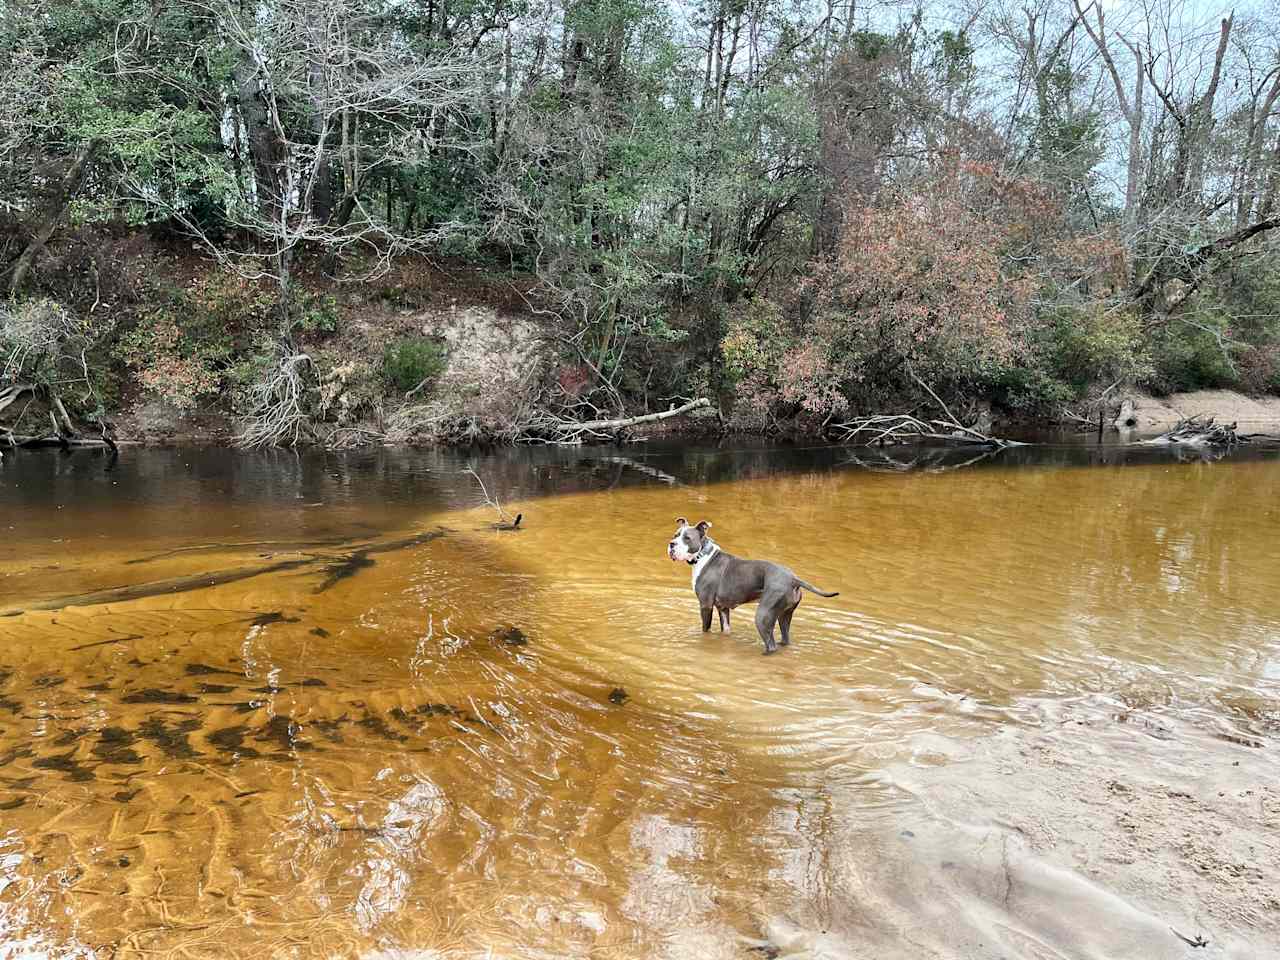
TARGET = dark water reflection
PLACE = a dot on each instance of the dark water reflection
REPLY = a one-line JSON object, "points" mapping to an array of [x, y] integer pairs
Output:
{"points": [[417, 480]]}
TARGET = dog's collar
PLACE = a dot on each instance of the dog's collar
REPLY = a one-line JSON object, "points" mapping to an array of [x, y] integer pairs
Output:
{"points": [[709, 547]]}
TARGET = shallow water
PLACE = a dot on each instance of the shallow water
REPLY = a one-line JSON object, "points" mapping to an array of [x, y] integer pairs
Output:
{"points": [[278, 705]]}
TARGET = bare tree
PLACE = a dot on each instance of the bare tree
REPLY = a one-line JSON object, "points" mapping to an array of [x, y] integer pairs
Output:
{"points": [[325, 95], [1131, 106]]}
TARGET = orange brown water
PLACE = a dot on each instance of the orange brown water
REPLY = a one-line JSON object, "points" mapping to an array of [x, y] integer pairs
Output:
{"points": [[308, 730]]}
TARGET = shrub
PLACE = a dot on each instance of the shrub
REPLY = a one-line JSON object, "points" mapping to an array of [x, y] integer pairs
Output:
{"points": [[409, 362], [44, 343], [34, 332], [350, 388], [182, 348], [316, 314], [1186, 354], [1070, 348]]}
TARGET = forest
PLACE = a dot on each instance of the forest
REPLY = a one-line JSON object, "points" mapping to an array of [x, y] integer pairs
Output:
{"points": [[802, 211]]}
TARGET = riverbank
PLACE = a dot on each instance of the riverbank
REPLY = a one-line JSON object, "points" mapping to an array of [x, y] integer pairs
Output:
{"points": [[1156, 414], [153, 422], [171, 348]]}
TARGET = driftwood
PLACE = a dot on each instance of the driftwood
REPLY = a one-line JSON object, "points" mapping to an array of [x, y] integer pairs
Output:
{"points": [[553, 429], [904, 428], [1206, 432], [624, 422], [53, 440]]}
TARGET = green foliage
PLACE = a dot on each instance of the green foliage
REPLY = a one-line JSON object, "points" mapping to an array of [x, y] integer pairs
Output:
{"points": [[1190, 357], [870, 45], [768, 219], [413, 360], [250, 368], [1069, 350], [315, 313], [756, 339]]}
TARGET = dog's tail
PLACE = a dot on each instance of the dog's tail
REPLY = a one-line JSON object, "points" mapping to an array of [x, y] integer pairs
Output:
{"points": [[812, 589]]}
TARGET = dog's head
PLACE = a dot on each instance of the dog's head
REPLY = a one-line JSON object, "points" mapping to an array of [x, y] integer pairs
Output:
{"points": [[688, 540]]}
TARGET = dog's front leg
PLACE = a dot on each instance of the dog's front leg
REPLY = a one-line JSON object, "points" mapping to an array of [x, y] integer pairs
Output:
{"points": [[706, 619], [724, 619]]}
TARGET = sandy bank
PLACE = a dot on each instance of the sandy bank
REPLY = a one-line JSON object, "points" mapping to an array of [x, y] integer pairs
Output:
{"points": [[1155, 414], [1101, 832]]}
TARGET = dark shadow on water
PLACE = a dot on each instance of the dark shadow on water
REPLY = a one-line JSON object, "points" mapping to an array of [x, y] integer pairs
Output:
{"points": [[410, 482]]}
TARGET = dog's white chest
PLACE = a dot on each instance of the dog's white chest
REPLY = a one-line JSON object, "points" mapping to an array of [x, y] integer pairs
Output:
{"points": [[702, 565]]}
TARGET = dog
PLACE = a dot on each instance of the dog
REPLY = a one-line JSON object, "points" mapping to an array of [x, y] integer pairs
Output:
{"points": [[722, 581]]}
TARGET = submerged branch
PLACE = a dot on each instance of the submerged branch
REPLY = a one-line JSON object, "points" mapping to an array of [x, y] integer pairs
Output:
{"points": [[904, 428], [336, 566]]}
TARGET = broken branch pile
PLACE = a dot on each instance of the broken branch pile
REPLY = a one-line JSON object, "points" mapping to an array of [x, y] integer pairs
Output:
{"points": [[1205, 431], [888, 429]]}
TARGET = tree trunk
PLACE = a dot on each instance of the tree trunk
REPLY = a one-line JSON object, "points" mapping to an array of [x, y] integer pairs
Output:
{"points": [[264, 153], [322, 188], [1253, 177], [1200, 123], [66, 418], [1273, 184], [63, 194]]}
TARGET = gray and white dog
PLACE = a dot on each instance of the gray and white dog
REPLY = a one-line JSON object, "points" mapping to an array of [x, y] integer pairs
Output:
{"points": [[723, 581]]}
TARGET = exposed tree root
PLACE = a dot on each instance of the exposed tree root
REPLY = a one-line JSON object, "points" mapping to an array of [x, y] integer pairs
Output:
{"points": [[1205, 432], [279, 416]]}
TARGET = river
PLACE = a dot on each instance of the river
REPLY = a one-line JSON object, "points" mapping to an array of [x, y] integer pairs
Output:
{"points": [[282, 704]]}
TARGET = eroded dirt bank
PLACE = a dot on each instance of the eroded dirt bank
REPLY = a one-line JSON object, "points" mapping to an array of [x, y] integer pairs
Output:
{"points": [[1155, 414]]}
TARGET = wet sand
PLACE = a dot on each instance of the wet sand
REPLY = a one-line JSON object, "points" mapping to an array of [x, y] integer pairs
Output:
{"points": [[1097, 831]]}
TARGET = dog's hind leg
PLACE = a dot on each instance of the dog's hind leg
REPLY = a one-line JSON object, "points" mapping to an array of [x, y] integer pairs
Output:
{"points": [[765, 620], [784, 626], [706, 619]]}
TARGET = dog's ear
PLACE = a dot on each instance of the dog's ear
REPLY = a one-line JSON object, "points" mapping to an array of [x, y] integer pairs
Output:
{"points": [[682, 522], [704, 526]]}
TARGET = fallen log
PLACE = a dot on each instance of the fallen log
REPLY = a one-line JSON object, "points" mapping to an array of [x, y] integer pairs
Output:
{"points": [[619, 424], [903, 428], [54, 440], [552, 429]]}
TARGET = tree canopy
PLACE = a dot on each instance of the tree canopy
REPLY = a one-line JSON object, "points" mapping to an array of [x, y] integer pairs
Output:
{"points": [[797, 205]]}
